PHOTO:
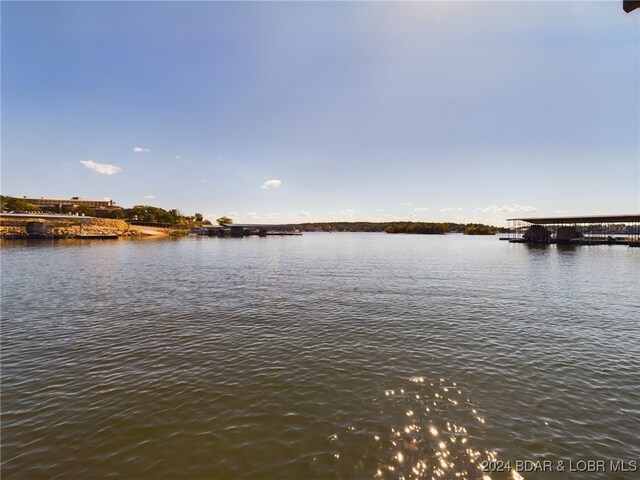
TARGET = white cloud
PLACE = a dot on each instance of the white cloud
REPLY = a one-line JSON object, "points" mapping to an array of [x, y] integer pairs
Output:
{"points": [[452, 209], [137, 149], [494, 209], [103, 168], [381, 210], [106, 199], [562, 212], [304, 214], [420, 209], [149, 196], [252, 216], [233, 214], [271, 184], [406, 204], [348, 211]]}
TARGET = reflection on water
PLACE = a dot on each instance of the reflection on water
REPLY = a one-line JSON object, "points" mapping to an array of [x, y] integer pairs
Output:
{"points": [[425, 428]]}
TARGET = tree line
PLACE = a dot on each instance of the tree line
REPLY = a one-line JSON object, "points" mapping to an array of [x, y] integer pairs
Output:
{"points": [[419, 228]]}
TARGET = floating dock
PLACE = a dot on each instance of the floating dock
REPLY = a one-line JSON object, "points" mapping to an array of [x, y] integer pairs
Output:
{"points": [[621, 229], [239, 230]]}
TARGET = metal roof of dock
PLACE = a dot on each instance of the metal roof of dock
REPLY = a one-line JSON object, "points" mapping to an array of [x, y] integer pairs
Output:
{"points": [[622, 218], [630, 5]]}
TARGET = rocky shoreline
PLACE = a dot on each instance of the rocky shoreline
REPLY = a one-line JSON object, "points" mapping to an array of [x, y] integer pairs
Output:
{"points": [[71, 228]]}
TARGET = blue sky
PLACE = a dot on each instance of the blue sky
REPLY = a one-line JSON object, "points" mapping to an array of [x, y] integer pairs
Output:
{"points": [[277, 111]]}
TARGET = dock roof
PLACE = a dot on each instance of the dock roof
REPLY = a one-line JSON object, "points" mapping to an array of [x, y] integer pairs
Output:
{"points": [[621, 218]]}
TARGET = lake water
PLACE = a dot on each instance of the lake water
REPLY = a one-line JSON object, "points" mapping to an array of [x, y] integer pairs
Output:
{"points": [[322, 356]]}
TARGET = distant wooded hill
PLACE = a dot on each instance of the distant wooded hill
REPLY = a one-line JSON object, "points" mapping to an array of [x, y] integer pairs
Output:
{"points": [[424, 228]]}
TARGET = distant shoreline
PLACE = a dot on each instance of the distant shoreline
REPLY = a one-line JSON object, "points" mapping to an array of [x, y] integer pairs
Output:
{"points": [[71, 226]]}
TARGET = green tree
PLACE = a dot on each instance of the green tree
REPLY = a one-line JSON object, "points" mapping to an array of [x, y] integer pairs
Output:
{"points": [[84, 210], [480, 229], [176, 216], [224, 221], [12, 204], [148, 213], [198, 217], [115, 213]]}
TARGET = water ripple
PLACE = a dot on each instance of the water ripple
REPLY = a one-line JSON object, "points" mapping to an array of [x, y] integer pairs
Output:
{"points": [[325, 356]]}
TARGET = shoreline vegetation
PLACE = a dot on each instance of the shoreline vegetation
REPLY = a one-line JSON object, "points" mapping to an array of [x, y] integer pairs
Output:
{"points": [[148, 220], [62, 228], [418, 228]]}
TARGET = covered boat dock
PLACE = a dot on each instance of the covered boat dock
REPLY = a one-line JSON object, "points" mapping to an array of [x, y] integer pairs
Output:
{"points": [[621, 229]]}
